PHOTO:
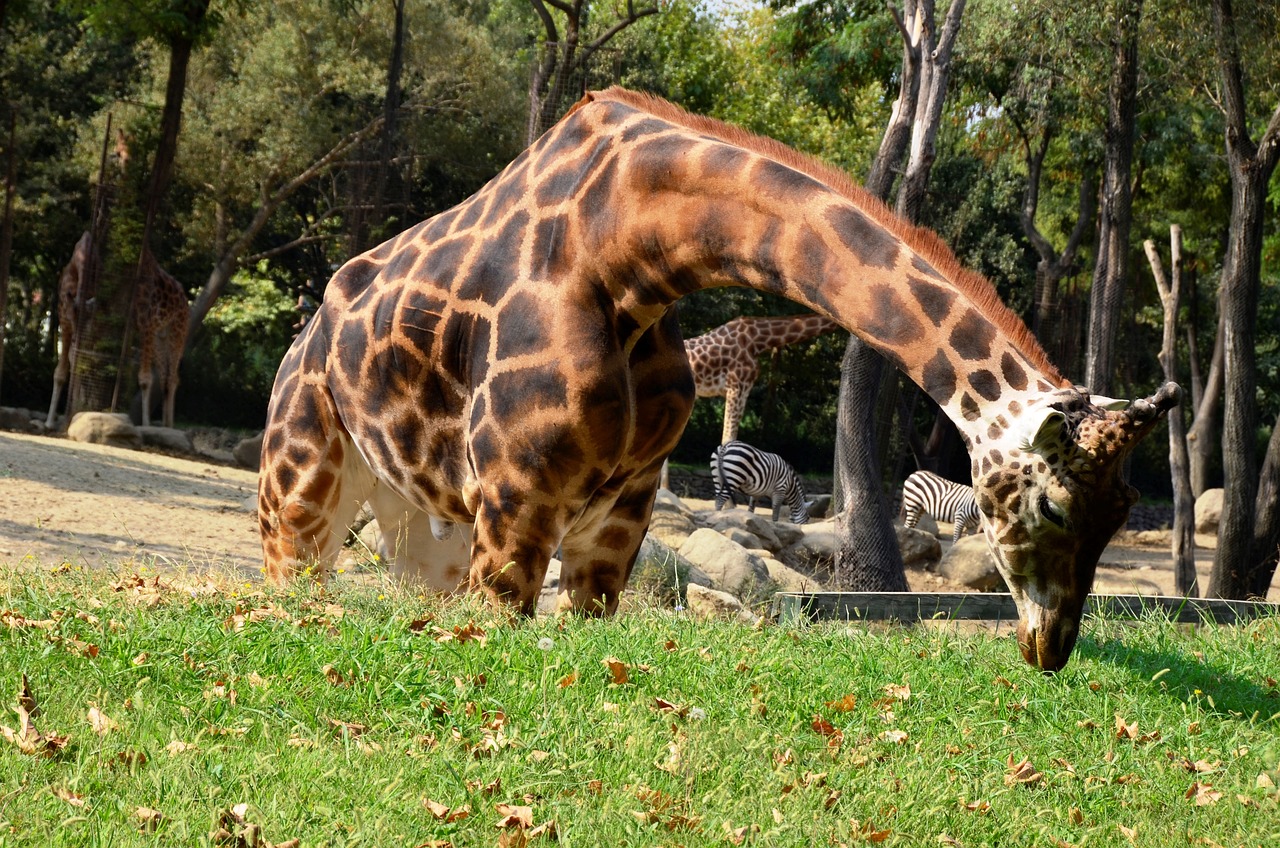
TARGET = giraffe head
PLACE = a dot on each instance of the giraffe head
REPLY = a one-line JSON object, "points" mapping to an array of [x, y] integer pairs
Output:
{"points": [[1052, 494]]}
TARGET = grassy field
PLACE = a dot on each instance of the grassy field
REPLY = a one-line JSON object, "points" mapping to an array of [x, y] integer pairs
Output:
{"points": [[194, 710]]}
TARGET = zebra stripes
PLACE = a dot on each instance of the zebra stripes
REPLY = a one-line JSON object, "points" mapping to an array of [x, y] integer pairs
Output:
{"points": [[738, 467], [926, 492]]}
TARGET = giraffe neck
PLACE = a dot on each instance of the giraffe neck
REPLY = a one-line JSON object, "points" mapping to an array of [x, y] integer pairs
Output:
{"points": [[695, 205], [763, 334]]}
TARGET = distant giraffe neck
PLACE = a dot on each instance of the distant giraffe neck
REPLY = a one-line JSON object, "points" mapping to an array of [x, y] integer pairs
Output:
{"points": [[692, 212], [758, 335]]}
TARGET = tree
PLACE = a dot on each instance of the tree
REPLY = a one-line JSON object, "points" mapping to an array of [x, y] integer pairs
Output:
{"points": [[1112, 267], [560, 72], [868, 557], [1239, 569]]}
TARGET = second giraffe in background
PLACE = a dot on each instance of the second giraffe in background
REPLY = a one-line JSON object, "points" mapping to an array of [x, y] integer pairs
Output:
{"points": [[926, 492], [738, 467]]}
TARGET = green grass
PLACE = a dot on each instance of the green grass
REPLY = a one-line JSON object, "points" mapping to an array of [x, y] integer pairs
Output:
{"points": [[762, 746]]}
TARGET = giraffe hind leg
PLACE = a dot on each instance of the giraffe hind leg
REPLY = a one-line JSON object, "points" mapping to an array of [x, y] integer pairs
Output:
{"points": [[600, 552]]}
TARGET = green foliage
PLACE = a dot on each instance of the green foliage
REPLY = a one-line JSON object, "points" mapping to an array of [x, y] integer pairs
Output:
{"points": [[365, 716], [227, 377]]}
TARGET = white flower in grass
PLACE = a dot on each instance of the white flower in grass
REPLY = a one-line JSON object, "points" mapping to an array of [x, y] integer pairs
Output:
{"points": [[697, 713], [546, 643]]}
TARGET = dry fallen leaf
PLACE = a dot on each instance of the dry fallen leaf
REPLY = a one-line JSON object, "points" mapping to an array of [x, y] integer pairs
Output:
{"points": [[1021, 772], [568, 680], [148, 818], [99, 721], [514, 815], [1203, 794], [897, 737], [843, 704], [898, 691], [177, 747], [617, 670], [75, 799], [445, 813]]}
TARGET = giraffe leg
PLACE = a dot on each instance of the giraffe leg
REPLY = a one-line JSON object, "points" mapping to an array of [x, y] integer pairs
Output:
{"points": [[146, 351], [414, 554], [61, 373], [597, 560], [171, 386], [313, 480], [511, 547], [735, 403]]}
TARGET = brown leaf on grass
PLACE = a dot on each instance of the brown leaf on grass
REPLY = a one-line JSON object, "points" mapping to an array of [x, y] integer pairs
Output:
{"points": [[75, 799], [129, 758], [1193, 729], [420, 624], [670, 646], [1075, 816], [468, 632], [735, 835], [896, 737], [99, 721], [335, 677], [867, 832], [432, 843], [148, 819], [843, 704], [27, 701], [662, 705], [27, 737], [1128, 779], [1130, 833], [514, 815], [347, 728], [490, 788], [1203, 794], [1130, 731], [950, 841], [979, 807], [595, 786], [1021, 772], [568, 680], [445, 813], [898, 691], [177, 747], [783, 758], [617, 670]]}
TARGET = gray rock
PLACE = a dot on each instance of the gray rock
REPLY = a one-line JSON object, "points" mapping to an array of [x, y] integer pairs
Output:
{"points": [[729, 565], [742, 537], [1209, 511], [969, 562], [707, 603], [671, 526], [168, 438], [918, 547], [104, 428], [815, 551], [248, 452], [819, 506], [18, 420], [740, 519]]}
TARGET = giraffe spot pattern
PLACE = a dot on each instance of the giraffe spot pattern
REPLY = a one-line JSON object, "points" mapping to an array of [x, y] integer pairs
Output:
{"points": [[890, 319], [939, 378], [935, 301], [872, 244], [972, 336], [523, 329], [985, 384], [1014, 374]]}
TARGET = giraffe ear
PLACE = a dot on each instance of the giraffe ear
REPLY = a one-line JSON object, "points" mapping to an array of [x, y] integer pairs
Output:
{"points": [[1041, 430], [1109, 403]]}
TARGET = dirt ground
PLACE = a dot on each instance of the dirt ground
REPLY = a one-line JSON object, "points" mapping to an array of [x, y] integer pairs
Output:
{"points": [[89, 504]]}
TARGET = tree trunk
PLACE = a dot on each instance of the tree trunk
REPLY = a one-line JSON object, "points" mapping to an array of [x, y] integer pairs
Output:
{"points": [[897, 135], [1235, 571], [1201, 440], [1184, 507], [1112, 267], [6, 222], [1266, 532], [867, 558]]}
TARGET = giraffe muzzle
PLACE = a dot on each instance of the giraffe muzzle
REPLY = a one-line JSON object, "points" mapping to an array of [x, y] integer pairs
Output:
{"points": [[1048, 645]]}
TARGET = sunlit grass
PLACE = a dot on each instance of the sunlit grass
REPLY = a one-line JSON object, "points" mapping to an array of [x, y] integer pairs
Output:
{"points": [[366, 716]]}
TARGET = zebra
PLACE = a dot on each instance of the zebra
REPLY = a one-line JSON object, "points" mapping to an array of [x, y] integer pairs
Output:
{"points": [[926, 492], [737, 466]]}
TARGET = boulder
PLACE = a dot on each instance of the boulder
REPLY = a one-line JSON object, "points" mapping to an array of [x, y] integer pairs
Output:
{"points": [[671, 526], [918, 547], [660, 567], [18, 420], [814, 551], [248, 452], [927, 524], [167, 438], [819, 506], [787, 578], [1209, 511], [758, 526], [970, 563], [730, 566], [742, 537], [707, 603], [104, 428]]}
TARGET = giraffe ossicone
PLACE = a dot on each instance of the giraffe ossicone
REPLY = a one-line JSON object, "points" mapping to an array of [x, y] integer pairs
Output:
{"points": [[512, 364]]}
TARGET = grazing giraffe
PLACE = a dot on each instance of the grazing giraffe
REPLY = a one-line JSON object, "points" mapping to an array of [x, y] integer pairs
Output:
{"points": [[160, 317], [724, 359], [512, 363]]}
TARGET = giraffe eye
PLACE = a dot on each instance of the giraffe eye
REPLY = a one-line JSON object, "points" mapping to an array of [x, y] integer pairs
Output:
{"points": [[1052, 512]]}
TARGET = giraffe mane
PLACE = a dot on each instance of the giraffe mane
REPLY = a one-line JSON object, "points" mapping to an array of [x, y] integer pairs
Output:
{"points": [[924, 241]]}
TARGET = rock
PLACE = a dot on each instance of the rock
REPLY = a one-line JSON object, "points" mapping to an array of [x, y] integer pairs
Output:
{"points": [[1209, 511], [970, 563], [104, 428], [927, 524], [815, 550], [18, 420], [248, 452], [729, 565], [709, 603], [918, 547], [742, 537], [671, 526], [740, 519], [819, 506], [664, 571], [168, 438], [788, 579]]}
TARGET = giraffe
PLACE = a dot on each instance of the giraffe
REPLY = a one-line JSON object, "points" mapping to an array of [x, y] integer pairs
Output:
{"points": [[512, 364], [160, 318], [724, 359]]}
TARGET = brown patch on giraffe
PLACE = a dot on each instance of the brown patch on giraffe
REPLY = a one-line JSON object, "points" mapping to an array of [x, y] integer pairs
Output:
{"points": [[971, 337], [890, 319], [873, 245], [939, 378], [1014, 374], [936, 301], [985, 384]]}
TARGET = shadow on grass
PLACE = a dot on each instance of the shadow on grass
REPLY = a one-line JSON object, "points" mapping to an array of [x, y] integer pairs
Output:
{"points": [[1188, 677]]}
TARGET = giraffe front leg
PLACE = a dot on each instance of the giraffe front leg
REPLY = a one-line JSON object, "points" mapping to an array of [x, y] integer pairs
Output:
{"points": [[735, 403], [145, 377], [600, 550], [60, 374]]}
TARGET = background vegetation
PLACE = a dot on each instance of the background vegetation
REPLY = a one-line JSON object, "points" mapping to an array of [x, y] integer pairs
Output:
{"points": [[283, 163]]}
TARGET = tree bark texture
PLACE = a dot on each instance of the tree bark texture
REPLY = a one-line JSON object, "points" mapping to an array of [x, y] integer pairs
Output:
{"points": [[1235, 571], [1184, 507], [1112, 266], [1266, 529], [867, 558]]}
